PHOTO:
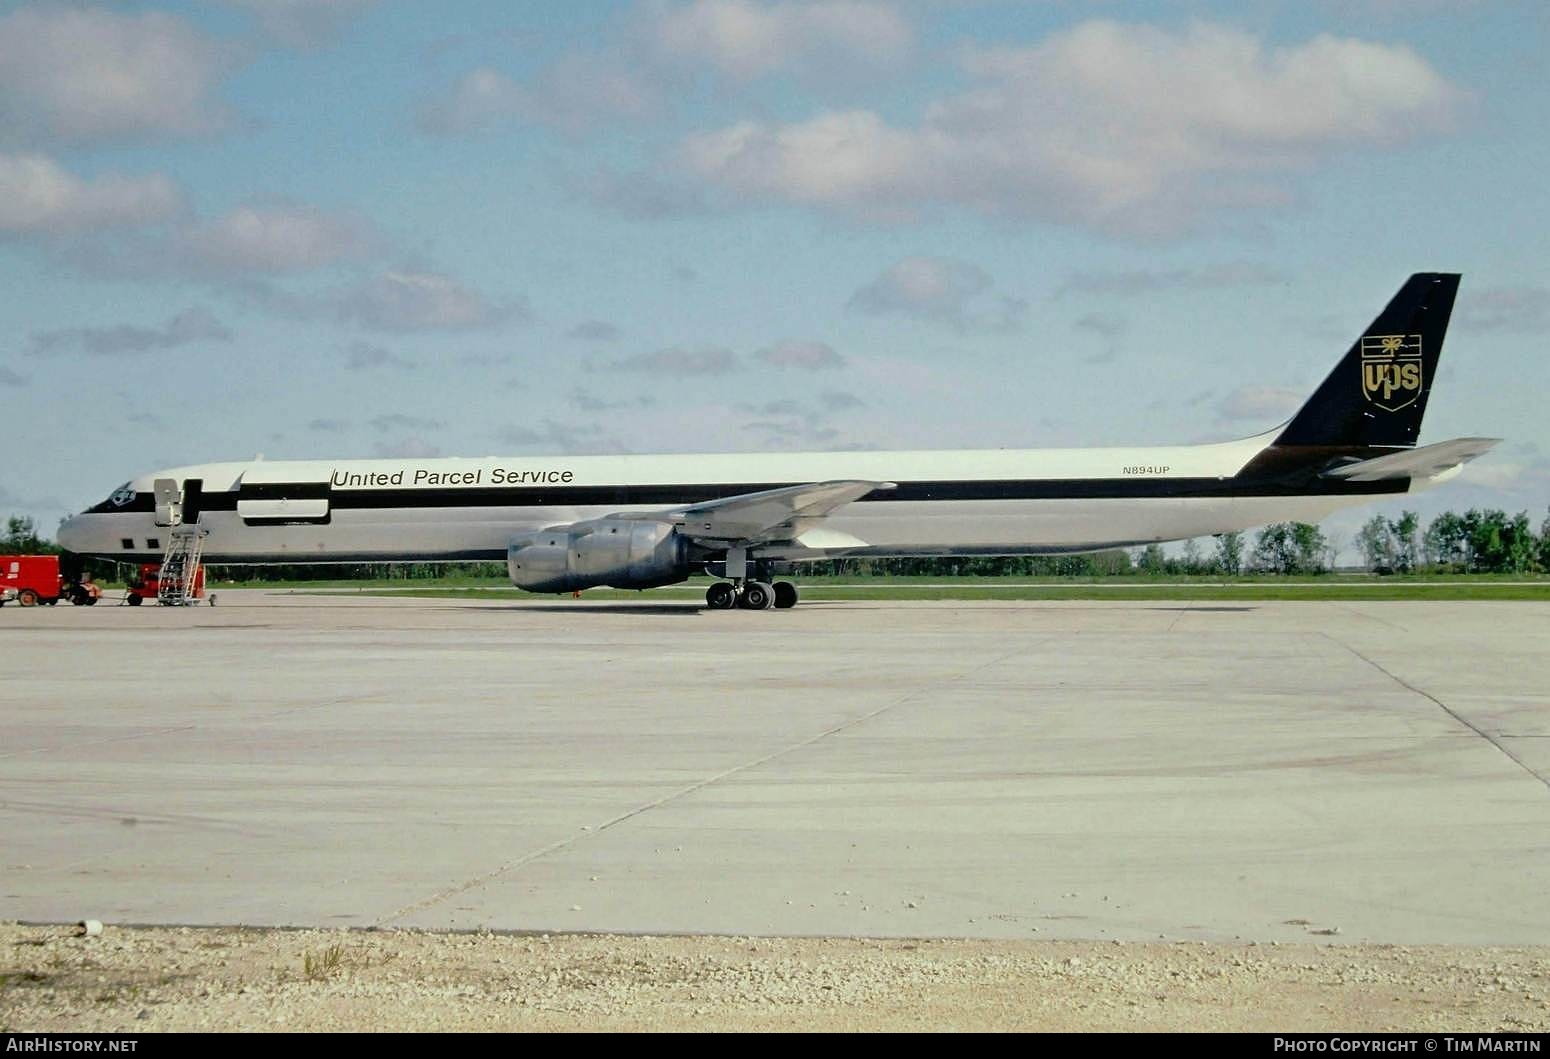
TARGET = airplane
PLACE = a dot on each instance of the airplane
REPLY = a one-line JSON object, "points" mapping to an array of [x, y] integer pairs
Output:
{"points": [[566, 523]]}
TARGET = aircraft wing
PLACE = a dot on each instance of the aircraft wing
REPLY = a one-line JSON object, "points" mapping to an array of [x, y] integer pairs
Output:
{"points": [[1425, 462], [770, 515]]}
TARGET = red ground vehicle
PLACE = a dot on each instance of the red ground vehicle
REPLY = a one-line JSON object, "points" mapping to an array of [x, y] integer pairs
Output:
{"points": [[35, 580], [147, 583]]}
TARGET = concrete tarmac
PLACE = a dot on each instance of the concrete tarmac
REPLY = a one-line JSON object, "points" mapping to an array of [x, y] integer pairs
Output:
{"points": [[1265, 771]]}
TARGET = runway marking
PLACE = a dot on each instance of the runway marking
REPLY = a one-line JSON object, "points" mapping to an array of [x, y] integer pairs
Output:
{"points": [[554, 847], [1460, 718]]}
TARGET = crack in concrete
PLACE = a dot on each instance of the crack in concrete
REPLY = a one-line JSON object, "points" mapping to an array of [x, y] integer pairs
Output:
{"points": [[1495, 741], [624, 817], [101, 741]]}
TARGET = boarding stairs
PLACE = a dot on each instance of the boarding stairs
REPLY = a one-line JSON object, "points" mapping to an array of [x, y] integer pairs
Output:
{"points": [[180, 566]]}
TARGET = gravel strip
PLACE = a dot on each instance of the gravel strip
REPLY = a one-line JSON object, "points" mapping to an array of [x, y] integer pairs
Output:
{"points": [[158, 979]]}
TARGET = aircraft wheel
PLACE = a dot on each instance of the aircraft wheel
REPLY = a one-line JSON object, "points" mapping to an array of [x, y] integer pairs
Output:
{"points": [[757, 596], [720, 596], [134, 601], [27, 598], [785, 595]]}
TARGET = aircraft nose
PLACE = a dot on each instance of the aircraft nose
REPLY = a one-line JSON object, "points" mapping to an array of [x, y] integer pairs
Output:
{"points": [[72, 534]]}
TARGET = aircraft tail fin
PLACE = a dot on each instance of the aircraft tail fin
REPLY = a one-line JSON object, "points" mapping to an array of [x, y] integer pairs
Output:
{"points": [[1377, 393]]}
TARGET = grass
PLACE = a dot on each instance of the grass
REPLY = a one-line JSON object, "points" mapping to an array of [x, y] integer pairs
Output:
{"points": [[1349, 589], [317, 968], [860, 580]]}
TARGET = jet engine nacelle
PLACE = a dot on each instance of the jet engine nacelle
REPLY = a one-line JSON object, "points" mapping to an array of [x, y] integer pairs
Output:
{"points": [[620, 553]]}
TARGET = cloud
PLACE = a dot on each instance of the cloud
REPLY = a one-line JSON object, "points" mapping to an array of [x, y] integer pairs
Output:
{"points": [[653, 54], [275, 238], [792, 431], [1109, 328], [785, 407], [411, 448], [1145, 281], [304, 23], [20, 505], [1530, 476], [744, 40], [573, 94], [1520, 310], [328, 426], [941, 290], [559, 437], [40, 197], [400, 421], [839, 400], [11, 378], [364, 356], [789, 419], [1104, 325], [481, 99], [406, 301], [636, 195], [187, 328], [1269, 404], [79, 75], [594, 331], [1130, 129], [682, 361], [810, 356], [232, 249], [588, 402]]}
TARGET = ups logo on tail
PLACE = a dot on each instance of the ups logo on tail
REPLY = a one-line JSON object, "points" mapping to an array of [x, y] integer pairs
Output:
{"points": [[1391, 370]]}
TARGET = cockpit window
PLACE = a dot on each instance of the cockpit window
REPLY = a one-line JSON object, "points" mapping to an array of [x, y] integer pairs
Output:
{"points": [[124, 498]]}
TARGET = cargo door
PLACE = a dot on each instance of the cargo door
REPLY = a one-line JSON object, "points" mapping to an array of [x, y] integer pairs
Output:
{"points": [[283, 496], [169, 502], [193, 498]]}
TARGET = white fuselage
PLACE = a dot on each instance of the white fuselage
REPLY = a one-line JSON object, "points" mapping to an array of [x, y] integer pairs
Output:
{"points": [[994, 501]]}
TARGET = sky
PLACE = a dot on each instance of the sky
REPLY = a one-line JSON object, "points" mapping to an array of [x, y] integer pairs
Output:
{"points": [[330, 228]]}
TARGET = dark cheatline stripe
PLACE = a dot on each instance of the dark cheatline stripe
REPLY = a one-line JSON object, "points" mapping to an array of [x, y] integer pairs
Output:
{"points": [[622, 497], [294, 491], [468, 555], [1276, 471], [1026, 489]]}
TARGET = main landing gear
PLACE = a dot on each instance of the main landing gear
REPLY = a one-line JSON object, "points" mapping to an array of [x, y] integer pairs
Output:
{"points": [[747, 584], [751, 595]]}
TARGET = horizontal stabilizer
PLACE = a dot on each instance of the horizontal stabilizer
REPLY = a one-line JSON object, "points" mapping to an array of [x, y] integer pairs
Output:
{"points": [[1425, 462]]}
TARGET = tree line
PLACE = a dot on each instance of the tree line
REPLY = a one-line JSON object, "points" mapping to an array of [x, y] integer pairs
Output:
{"points": [[1483, 542], [1480, 541], [1476, 542]]}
